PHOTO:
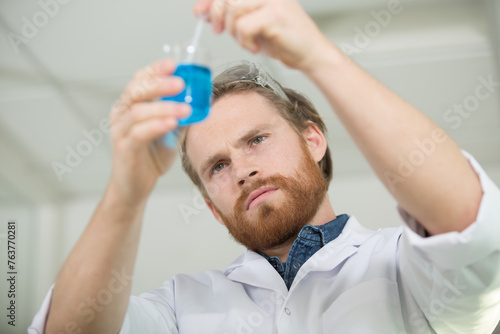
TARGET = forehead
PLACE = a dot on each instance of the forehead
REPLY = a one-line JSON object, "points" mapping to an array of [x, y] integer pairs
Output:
{"points": [[231, 117]]}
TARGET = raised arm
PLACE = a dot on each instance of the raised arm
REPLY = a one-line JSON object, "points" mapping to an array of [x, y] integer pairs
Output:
{"points": [[92, 289], [421, 166]]}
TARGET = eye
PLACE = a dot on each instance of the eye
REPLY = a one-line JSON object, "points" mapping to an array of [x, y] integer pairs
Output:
{"points": [[218, 167], [258, 140]]}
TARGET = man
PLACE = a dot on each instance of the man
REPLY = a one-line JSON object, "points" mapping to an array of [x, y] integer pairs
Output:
{"points": [[259, 161]]}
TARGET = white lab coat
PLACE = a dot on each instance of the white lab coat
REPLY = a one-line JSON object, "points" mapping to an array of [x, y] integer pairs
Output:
{"points": [[391, 281]]}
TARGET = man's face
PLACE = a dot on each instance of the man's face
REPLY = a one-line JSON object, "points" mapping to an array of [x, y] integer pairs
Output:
{"points": [[262, 180]]}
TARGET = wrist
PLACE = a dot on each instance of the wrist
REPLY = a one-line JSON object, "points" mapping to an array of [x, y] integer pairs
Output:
{"points": [[325, 55], [118, 198]]}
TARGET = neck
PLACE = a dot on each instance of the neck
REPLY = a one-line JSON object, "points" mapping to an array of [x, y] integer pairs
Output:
{"points": [[324, 215]]}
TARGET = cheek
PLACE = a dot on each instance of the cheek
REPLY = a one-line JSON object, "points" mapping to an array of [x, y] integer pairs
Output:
{"points": [[221, 196], [219, 186], [283, 157]]}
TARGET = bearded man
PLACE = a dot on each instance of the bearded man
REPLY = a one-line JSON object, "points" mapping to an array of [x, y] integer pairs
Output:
{"points": [[263, 166]]}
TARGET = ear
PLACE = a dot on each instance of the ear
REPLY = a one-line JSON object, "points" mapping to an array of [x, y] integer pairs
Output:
{"points": [[315, 140], [214, 212]]}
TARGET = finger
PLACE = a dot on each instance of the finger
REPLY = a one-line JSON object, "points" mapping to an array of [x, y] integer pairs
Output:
{"points": [[144, 132], [251, 27], [144, 111], [236, 9], [137, 92], [147, 79], [141, 112], [217, 14], [202, 7], [151, 88], [159, 68]]}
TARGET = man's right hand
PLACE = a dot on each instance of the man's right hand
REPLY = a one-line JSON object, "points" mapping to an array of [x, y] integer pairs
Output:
{"points": [[139, 121], [109, 243]]}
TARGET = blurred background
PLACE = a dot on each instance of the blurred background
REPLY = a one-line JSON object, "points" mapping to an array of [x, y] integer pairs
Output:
{"points": [[63, 63]]}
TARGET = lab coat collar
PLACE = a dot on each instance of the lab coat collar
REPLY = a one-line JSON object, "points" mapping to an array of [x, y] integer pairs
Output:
{"points": [[336, 251], [355, 233], [253, 269]]}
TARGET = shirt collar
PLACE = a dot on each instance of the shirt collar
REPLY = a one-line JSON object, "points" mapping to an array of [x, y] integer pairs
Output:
{"points": [[326, 232], [319, 233]]}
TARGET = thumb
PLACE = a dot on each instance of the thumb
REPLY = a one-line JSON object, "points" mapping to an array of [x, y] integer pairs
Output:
{"points": [[202, 7]]}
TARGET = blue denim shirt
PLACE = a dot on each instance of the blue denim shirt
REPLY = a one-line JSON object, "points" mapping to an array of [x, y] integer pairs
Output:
{"points": [[310, 239]]}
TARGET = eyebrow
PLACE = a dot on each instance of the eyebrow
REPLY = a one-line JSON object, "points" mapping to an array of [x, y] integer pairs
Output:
{"points": [[259, 128]]}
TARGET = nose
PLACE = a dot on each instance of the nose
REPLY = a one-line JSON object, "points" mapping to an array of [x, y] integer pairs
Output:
{"points": [[244, 170]]}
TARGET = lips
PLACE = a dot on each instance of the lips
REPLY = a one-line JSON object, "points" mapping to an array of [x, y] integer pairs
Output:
{"points": [[259, 195]]}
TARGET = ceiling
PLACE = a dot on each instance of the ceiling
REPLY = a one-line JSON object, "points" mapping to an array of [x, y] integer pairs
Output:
{"points": [[63, 77]]}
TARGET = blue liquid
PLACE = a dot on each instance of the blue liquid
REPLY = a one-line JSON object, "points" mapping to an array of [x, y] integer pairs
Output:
{"points": [[198, 91]]}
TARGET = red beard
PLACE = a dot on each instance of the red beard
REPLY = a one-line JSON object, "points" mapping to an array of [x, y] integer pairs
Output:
{"points": [[277, 224]]}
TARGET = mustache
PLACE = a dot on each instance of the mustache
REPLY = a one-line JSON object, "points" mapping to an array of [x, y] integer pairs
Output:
{"points": [[278, 180]]}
